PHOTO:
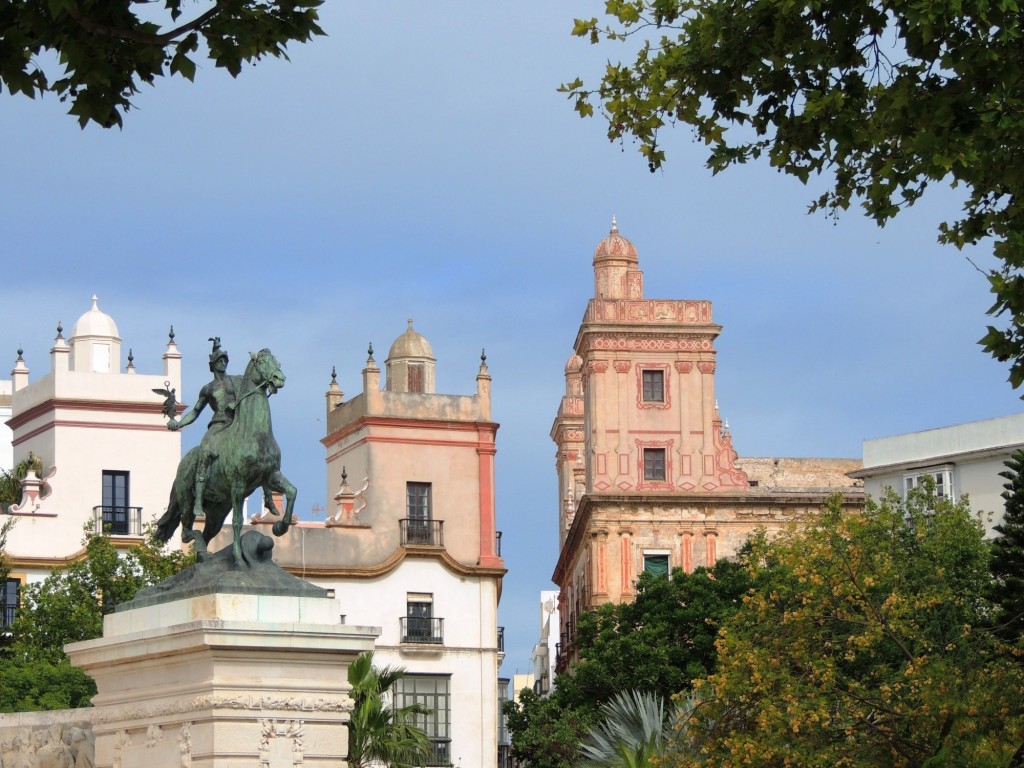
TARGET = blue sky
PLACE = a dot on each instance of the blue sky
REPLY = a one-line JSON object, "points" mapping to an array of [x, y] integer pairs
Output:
{"points": [[418, 162]]}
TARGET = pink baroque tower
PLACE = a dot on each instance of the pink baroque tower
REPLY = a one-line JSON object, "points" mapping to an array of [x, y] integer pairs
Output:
{"points": [[639, 414], [648, 479]]}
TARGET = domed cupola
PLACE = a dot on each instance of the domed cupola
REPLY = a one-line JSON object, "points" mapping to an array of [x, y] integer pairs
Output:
{"points": [[95, 343], [617, 273], [410, 364]]}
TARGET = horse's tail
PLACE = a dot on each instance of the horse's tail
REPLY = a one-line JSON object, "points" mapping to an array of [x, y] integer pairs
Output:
{"points": [[168, 524]]}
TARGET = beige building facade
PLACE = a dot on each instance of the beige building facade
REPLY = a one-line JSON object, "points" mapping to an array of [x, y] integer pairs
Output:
{"points": [[648, 476], [411, 546]]}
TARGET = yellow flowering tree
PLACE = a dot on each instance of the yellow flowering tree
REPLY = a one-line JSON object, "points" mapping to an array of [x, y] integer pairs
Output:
{"points": [[865, 645]]}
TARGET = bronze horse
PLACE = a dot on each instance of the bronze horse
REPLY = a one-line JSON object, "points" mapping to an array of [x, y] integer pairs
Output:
{"points": [[247, 457]]}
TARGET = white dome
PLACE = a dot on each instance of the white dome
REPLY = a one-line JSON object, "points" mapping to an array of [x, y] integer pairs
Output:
{"points": [[95, 323]]}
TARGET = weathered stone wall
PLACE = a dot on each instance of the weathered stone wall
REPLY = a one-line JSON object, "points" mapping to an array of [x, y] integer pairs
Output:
{"points": [[57, 739], [800, 473]]}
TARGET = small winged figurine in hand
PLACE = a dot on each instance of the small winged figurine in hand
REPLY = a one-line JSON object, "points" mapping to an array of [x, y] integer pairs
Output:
{"points": [[170, 403]]}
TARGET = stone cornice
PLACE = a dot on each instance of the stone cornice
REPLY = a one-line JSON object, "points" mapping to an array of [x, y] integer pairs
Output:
{"points": [[399, 555], [448, 425], [109, 406], [981, 454], [637, 338]]}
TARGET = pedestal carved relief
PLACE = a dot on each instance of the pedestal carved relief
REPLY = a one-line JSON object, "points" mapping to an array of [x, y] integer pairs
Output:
{"points": [[151, 747], [281, 743]]}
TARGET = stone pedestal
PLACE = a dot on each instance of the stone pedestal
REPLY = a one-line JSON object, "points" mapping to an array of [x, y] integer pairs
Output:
{"points": [[223, 681]]}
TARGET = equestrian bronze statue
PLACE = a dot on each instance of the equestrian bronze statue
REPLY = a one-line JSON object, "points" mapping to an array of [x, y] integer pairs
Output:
{"points": [[238, 454]]}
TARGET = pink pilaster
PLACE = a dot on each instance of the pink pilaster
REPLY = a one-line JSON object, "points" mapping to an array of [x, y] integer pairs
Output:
{"points": [[488, 534]]}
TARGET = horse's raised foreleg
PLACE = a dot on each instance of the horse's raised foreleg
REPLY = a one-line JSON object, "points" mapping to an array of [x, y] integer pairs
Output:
{"points": [[278, 482], [268, 501]]}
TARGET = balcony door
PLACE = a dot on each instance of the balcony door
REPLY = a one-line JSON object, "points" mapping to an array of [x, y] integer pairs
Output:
{"points": [[115, 502]]}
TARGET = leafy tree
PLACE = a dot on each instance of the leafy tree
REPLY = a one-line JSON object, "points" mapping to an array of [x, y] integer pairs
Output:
{"points": [[659, 642], [377, 731], [41, 685], [863, 646], [884, 97], [107, 48], [69, 606], [1008, 553], [546, 733]]}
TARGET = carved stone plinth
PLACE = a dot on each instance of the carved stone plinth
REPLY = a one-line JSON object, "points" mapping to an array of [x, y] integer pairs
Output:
{"points": [[223, 681]]}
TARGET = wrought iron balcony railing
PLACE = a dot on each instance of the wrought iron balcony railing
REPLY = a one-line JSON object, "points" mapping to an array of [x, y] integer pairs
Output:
{"points": [[418, 629], [117, 521], [429, 533]]}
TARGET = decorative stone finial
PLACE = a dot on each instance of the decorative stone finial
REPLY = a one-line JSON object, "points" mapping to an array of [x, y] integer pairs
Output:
{"points": [[95, 302], [615, 227], [131, 359], [483, 356], [334, 375], [369, 353], [344, 475], [170, 335], [60, 330], [20, 353], [409, 321]]}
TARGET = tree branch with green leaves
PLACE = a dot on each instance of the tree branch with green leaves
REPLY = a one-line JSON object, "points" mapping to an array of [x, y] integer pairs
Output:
{"points": [[108, 48], [882, 98]]}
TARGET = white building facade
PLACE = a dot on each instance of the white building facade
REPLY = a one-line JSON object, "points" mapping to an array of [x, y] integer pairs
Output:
{"points": [[962, 460], [547, 649], [101, 435]]}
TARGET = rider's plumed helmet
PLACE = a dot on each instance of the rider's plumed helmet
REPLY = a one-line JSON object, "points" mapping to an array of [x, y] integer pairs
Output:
{"points": [[218, 353]]}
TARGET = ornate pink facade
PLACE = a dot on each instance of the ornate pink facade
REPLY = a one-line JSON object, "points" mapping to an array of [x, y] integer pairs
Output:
{"points": [[647, 471]]}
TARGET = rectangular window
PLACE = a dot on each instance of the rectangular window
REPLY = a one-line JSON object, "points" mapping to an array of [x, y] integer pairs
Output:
{"points": [[417, 501], [420, 624], [943, 479], [419, 615], [417, 510], [116, 510], [9, 602], [654, 463], [434, 693], [656, 564], [654, 386]]}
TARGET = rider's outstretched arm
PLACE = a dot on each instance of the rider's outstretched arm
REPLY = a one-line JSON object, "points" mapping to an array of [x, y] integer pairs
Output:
{"points": [[191, 416]]}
